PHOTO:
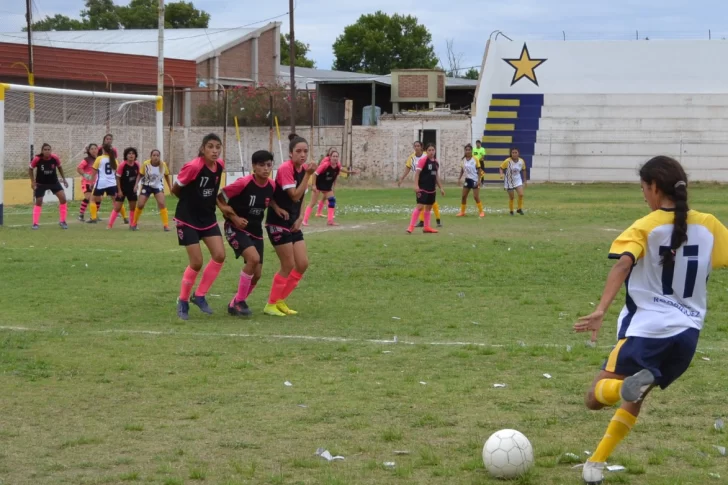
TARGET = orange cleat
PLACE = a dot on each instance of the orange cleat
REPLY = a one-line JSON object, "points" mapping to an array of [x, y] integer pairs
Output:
{"points": [[410, 229], [429, 230], [460, 214], [482, 214]]}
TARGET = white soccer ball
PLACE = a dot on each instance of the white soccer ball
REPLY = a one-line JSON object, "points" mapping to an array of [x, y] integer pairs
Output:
{"points": [[507, 454]]}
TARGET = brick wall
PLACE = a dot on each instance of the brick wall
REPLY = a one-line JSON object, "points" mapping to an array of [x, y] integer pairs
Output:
{"points": [[267, 60], [440, 86], [235, 62], [413, 86]]}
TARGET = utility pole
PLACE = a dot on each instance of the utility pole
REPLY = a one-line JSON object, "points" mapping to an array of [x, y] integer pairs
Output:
{"points": [[31, 77], [292, 56], [160, 74]]}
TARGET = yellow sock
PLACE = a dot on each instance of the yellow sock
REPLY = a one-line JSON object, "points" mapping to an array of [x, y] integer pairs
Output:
{"points": [[94, 210], [164, 214], [436, 209], [123, 211], [480, 207], [422, 215], [618, 428], [463, 207], [137, 215], [607, 391], [510, 205], [520, 202]]}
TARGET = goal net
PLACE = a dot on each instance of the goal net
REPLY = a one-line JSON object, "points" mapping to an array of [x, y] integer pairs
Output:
{"points": [[69, 121]]}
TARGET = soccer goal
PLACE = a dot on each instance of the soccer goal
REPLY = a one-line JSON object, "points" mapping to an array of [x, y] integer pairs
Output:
{"points": [[69, 120]]}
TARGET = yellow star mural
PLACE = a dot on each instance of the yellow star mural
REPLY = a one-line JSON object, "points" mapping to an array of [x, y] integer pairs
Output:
{"points": [[525, 66]]}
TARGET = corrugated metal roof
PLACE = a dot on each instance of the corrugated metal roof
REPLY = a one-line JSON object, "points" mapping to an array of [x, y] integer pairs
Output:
{"points": [[306, 75], [187, 44]]}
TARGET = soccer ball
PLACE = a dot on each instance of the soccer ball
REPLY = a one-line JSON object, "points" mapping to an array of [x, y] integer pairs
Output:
{"points": [[507, 454]]}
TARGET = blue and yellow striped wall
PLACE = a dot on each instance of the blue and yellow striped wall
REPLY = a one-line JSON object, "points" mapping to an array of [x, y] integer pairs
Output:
{"points": [[513, 121]]}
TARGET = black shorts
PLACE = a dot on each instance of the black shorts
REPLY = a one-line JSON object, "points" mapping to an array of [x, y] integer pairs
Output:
{"points": [[87, 186], [107, 191], [324, 186], [187, 236], [667, 358], [426, 198], [149, 191], [241, 240], [279, 236], [470, 184], [129, 195], [42, 188]]}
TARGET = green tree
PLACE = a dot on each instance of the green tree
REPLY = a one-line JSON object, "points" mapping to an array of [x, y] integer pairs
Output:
{"points": [[139, 14], [378, 43], [472, 74], [302, 51]]}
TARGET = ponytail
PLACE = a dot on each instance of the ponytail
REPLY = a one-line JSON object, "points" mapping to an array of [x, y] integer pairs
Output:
{"points": [[670, 178], [109, 150]]}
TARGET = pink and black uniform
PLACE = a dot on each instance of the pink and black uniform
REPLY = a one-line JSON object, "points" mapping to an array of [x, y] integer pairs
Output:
{"points": [[249, 201], [326, 175], [87, 167], [46, 174], [279, 230], [195, 214], [128, 172], [427, 192]]}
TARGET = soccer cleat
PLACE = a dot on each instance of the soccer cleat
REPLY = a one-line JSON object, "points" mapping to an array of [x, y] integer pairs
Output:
{"points": [[429, 230], [634, 386], [92, 221], [63, 225], [183, 309], [166, 228], [35, 227], [304, 223], [520, 211], [81, 218], [239, 309], [281, 305], [273, 310], [482, 214], [460, 214], [318, 214], [132, 228], [420, 224], [593, 472], [410, 229], [126, 221], [439, 224], [332, 223], [201, 303], [511, 212]]}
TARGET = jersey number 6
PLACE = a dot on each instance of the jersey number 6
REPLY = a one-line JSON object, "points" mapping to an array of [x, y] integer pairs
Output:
{"points": [[108, 170], [691, 273]]}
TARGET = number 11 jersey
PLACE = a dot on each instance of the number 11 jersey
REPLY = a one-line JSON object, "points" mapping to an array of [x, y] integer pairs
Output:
{"points": [[664, 300]]}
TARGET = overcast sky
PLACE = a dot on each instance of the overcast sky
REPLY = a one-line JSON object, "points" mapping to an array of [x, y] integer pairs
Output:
{"points": [[468, 22]]}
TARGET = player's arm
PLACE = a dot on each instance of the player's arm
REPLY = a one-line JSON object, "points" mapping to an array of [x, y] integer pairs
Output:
{"points": [[719, 257], [32, 178], [228, 212], [63, 176], [502, 167], [283, 214], [80, 171], [439, 183], [350, 172], [523, 176], [462, 172], [297, 193], [616, 278], [407, 170], [185, 176]]}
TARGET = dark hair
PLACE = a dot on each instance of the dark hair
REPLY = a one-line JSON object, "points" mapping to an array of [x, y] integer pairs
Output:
{"points": [[39, 155], [262, 156], [109, 150], [478, 141], [670, 178], [295, 140], [209, 137], [106, 136], [468, 146], [430, 145], [129, 150], [155, 150], [88, 148], [510, 152], [417, 142], [332, 151]]}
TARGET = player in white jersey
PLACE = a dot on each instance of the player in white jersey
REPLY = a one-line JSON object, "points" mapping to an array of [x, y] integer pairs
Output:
{"points": [[105, 167], [664, 260], [152, 176], [513, 173], [472, 169]]}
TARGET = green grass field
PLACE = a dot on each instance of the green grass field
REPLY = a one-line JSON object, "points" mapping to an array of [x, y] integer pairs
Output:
{"points": [[101, 383]]}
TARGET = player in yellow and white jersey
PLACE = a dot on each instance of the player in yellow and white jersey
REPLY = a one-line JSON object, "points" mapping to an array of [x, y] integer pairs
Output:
{"points": [[472, 169], [664, 260], [513, 173], [152, 176], [410, 166]]}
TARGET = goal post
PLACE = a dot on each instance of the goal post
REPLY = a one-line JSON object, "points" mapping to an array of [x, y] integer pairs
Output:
{"points": [[69, 120]]}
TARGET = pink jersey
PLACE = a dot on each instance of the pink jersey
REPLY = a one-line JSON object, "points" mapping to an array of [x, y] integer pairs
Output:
{"points": [[87, 167]]}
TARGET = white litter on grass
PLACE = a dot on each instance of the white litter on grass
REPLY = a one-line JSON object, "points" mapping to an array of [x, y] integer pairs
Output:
{"points": [[591, 344], [385, 246], [389, 464], [326, 454], [401, 452], [721, 449], [713, 475], [87, 265], [302, 406], [591, 303], [423, 383], [531, 247], [587, 453], [386, 351], [473, 245], [719, 425], [214, 296], [616, 468], [394, 339], [499, 386], [475, 323], [573, 456], [396, 318], [521, 343], [547, 376], [461, 295], [568, 348], [706, 359], [287, 384], [509, 249]]}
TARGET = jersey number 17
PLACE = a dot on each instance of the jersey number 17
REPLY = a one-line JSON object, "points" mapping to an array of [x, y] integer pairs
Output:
{"points": [[691, 272]]}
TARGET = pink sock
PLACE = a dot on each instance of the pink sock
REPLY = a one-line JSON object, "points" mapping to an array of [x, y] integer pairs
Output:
{"points": [[291, 284], [188, 281], [427, 218], [415, 217], [112, 218], [244, 286], [277, 288], [209, 275], [250, 291], [330, 213], [63, 210], [307, 214], [36, 214], [320, 208]]}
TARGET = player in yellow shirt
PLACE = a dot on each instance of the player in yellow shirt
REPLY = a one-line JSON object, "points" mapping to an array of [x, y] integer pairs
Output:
{"points": [[471, 170], [664, 260], [152, 176], [410, 166], [479, 154]]}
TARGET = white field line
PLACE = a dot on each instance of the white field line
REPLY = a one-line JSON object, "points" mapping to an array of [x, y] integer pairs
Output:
{"points": [[314, 338]]}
